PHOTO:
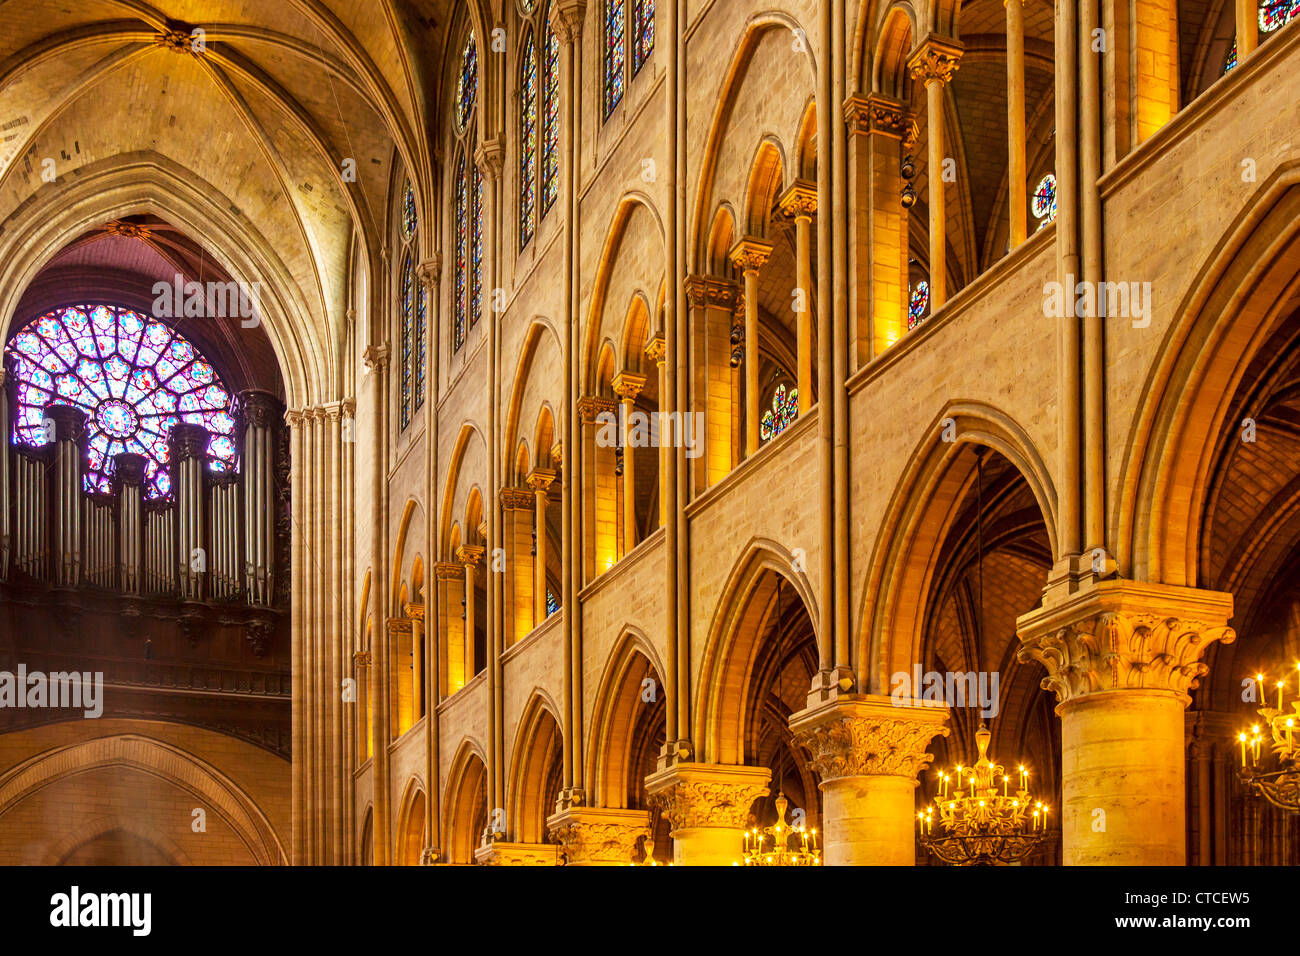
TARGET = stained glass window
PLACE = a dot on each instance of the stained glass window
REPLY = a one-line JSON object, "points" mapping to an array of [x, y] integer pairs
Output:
{"points": [[467, 86], [134, 377], [552, 603], [421, 318], [1044, 204], [784, 410], [615, 54], [408, 322], [528, 142], [918, 302], [476, 250], [1272, 15], [409, 221], [643, 33], [551, 123], [462, 249]]}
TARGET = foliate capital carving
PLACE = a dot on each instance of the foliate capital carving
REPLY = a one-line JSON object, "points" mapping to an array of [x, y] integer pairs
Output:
{"points": [[362, 659], [490, 158], [588, 835], [707, 795], [449, 571], [935, 60], [656, 350], [864, 735], [376, 357], [414, 611], [628, 385], [711, 292], [589, 406], [879, 115], [470, 555], [799, 201], [292, 417], [399, 625], [566, 19], [1125, 635], [517, 499], [750, 254], [540, 480]]}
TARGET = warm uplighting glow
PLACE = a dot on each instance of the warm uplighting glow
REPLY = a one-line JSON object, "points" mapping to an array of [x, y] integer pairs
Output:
{"points": [[980, 822], [1275, 777], [781, 844]]}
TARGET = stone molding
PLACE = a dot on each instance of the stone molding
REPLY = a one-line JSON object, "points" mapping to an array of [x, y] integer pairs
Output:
{"points": [[501, 853], [712, 292], [707, 795]]}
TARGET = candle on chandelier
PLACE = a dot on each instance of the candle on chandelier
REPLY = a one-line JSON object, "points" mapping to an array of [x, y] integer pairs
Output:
{"points": [[1242, 738]]}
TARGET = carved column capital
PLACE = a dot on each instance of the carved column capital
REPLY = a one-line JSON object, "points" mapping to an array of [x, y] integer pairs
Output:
{"points": [[1125, 635], [490, 158], [707, 795], [362, 659], [656, 350], [863, 735], [430, 271], [566, 19], [449, 571], [592, 836], [376, 357], [799, 201], [935, 59], [750, 254], [517, 499], [470, 555], [399, 625], [703, 291], [540, 480], [590, 406], [414, 611], [880, 116], [501, 853], [628, 385]]}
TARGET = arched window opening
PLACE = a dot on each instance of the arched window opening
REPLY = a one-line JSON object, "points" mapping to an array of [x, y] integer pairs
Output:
{"points": [[1044, 201], [539, 121], [626, 22], [1273, 15], [782, 410], [411, 310], [467, 189]]}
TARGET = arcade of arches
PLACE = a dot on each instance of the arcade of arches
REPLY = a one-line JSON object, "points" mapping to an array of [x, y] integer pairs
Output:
{"points": [[540, 431]]}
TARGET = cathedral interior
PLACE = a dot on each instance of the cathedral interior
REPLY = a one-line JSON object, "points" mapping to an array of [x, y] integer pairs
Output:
{"points": [[608, 432]]}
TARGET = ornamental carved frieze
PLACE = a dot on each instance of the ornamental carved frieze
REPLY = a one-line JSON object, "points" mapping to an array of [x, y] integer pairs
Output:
{"points": [[711, 292], [707, 795], [1123, 650], [598, 837], [935, 60], [590, 406], [855, 745], [880, 116], [517, 499], [259, 635], [449, 571]]}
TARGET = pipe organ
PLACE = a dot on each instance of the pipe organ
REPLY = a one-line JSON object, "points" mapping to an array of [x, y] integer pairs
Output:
{"points": [[214, 538]]}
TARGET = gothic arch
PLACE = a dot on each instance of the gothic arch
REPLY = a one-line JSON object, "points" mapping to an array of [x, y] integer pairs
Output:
{"points": [[115, 823], [535, 757], [411, 834], [901, 563], [732, 646], [614, 722], [166, 761], [1242, 294], [465, 809], [468, 430]]}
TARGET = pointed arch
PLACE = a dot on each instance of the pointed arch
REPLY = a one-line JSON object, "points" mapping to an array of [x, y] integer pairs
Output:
{"points": [[618, 734], [465, 809], [536, 773]]}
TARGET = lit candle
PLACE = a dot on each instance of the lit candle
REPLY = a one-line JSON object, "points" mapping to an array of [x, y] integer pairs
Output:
{"points": [[1242, 738]]}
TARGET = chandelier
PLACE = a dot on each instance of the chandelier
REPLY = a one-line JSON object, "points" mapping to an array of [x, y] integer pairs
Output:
{"points": [[1278, 779], [981, 821], [781, 844]]}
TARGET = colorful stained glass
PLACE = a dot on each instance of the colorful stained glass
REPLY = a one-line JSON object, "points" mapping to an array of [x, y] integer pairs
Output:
{"points": [[409, 219], [1044, 203], [552, 603], [528, 142], [1277, 13], [615, 54], [643, 33], [133, 376], [917, 303], [1231, 61], [551, 122], [784, 410], [421, 325], [462, 248], [467, 86], [408, 323], [476, 250]]}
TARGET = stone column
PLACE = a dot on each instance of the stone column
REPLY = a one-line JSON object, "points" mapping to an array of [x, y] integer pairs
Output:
{"points": [[933, 63], [590, 836], [599, 507], [450, 577], [655, 351], [799, 203], [1247, 15], [1121, 657], [708, 807], [540, 481], [868, 751], [470, 556], [749, 256], [415, 614], [712, 303], [627, 386], [517, 506], [1017, 177], [881, 129]]}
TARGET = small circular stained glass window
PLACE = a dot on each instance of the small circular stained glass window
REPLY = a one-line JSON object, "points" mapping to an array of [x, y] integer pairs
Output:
{"points": [[1044, 205], [917, 303]]}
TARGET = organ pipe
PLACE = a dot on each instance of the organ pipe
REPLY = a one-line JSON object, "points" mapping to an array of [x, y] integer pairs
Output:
{"points": [[69, 432], [259, 497], [189, 449]]}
